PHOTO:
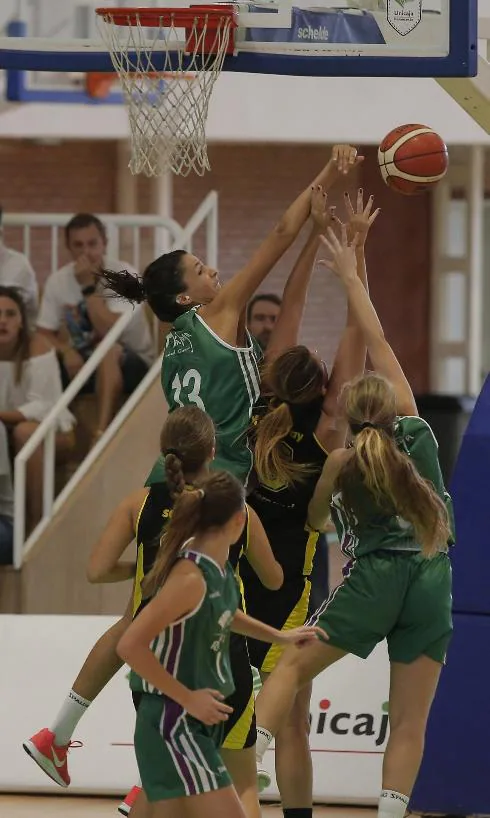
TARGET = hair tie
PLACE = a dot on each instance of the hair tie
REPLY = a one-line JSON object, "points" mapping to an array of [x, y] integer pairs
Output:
{"points": [[174, 452], [359, 427], [201, 493]]}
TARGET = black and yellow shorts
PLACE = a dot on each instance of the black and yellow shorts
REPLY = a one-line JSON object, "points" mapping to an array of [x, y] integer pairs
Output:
{"points": [[240, 730], [399, 596], [284, 609]]}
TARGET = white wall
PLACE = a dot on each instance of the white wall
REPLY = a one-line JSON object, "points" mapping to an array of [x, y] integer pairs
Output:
{"points": [[254, 108]]}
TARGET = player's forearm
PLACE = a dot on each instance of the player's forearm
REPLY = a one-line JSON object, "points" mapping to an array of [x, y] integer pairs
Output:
{"points": [[286, 331], [247, 626], [363, 312], [145, 664], [120, 572], [297, 213]]}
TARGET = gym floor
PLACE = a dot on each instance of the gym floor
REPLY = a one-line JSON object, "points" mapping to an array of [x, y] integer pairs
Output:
{"points": [[35, 806]]}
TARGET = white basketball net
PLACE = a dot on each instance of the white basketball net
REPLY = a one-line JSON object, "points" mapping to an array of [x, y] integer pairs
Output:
{"points": [[167, 108]]}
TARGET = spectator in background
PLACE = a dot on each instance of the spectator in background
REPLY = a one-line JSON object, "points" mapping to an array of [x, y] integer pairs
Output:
{"points": [[16, 271], [74, 300], [262, 312], [30, 385]]}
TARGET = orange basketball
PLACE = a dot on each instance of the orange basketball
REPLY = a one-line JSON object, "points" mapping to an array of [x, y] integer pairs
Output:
{"points": [[412, 158]]}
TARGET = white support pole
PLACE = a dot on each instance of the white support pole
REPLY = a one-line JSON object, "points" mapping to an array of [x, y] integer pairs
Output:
{"points": [[476, 200], [440, 210], [126, 196], [162, 204]]}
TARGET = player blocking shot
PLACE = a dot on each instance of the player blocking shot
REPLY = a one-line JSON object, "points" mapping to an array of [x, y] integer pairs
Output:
{"points": [[297, 425], [209, 358], [393, 516]]}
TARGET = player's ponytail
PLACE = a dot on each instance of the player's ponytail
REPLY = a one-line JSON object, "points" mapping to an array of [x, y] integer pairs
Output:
{"points": [[160, 284], [187, 443], [387, 473], [209, 505], [295, 378]]}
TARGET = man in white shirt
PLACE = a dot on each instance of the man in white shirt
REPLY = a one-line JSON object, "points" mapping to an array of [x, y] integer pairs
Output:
{"points": [[75, 301], [16, 271]]}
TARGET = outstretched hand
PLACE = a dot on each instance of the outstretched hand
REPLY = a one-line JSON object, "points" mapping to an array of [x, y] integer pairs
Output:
{"points": [[360, 220], [345, 158], [322, 215], [343, 254]]}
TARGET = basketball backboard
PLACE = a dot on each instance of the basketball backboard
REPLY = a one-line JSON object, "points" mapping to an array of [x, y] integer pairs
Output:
{"points": [[51, 44]]}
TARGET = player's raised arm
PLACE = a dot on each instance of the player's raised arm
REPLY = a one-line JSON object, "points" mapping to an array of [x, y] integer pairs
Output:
{"points": [[382, 356], [350, 358], [286, 329], [234, 295]]}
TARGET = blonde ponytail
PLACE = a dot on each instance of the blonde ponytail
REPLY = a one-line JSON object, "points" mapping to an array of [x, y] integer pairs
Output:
{"points": [[273, 463], [396, 486]]}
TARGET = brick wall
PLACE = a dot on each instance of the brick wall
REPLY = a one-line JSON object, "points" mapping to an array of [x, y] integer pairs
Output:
{"points": [[68, 177], [255, 183]]}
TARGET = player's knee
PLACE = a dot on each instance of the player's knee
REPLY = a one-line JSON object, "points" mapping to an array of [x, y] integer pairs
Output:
{"points": [[408, 729]]}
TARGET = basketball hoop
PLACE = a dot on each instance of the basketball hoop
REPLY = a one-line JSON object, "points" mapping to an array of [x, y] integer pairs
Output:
{"points": [[168, 61]]}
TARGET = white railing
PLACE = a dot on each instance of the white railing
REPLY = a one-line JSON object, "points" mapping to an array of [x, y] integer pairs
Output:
{"points": [[207, 213]]}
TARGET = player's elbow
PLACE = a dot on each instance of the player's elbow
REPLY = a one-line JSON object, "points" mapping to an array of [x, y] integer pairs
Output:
{"points": [[95, 573], [123, 648], [283, 231], [274, 579]]}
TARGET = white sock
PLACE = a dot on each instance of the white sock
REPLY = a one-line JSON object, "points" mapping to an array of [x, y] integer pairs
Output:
{"points": [[264, 738], [392, 804], [67, 719]]}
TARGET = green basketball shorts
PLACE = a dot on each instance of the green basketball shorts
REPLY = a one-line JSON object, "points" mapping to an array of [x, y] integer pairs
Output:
{"points": [[177, 755], [399, 596]]}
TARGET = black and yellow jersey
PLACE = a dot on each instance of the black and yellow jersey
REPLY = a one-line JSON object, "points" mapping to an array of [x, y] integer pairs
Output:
{"points": [[283, 509], [155, 512]]}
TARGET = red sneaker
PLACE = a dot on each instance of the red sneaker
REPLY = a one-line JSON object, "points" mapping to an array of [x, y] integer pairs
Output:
{"points": [[50, 757], [125, 806]]}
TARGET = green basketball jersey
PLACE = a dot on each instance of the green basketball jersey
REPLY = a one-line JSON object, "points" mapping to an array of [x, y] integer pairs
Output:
{"points": [[374, 529], [195, 649], [199, 368]]}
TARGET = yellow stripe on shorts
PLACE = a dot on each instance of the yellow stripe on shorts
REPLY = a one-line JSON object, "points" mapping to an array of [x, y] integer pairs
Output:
{"points": [[236, 738], [296, 618]]}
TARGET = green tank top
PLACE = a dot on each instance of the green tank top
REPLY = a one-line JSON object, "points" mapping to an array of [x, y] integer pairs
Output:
{"points": [[199, 368], [375, 529], [195, 649]]}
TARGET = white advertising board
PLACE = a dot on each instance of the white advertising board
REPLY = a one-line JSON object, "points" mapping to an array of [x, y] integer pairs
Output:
{"points": [[41, 656]]}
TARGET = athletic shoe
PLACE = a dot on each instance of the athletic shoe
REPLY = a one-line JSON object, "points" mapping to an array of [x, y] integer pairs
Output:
{"points": [[125, 807], [50, 757], [263, 780]]}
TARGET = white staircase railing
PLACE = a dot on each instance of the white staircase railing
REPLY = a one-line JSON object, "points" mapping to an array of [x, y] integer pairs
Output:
{"points": [[181, 238]]}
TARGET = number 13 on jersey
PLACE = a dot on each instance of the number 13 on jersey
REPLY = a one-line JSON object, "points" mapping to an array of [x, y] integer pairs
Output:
{"points": [[189, 388]]}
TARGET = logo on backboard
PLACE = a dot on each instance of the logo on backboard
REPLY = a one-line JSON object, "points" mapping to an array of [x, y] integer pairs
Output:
{"points": [[404, 15]]}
